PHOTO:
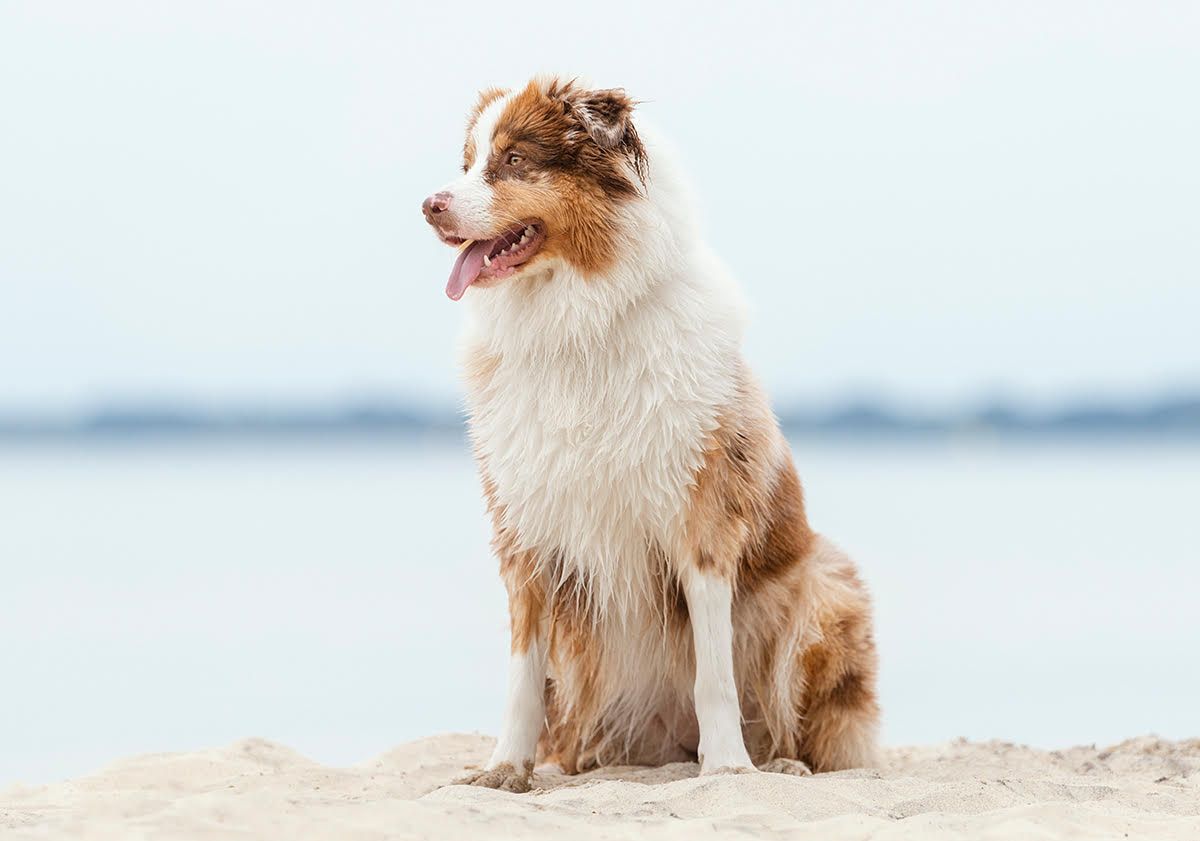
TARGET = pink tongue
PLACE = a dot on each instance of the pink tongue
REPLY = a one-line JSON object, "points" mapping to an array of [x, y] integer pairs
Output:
{"points": [[467, 268]]}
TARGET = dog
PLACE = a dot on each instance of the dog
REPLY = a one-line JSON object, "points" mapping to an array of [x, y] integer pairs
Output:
{"points": [[668, 599]]}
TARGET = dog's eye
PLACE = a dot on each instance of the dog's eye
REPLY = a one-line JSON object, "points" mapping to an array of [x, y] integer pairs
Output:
{"points": [[514, 159]]}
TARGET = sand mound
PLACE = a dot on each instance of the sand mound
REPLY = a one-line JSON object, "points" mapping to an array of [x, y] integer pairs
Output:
{"points": [[1143, 788]]}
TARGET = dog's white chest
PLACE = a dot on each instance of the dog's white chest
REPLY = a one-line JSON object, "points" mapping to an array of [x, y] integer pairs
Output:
{"points": [[594, 407], [592, 457]]}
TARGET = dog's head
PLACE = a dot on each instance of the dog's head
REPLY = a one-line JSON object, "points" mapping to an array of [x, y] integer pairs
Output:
{"points": [[545, 172]]}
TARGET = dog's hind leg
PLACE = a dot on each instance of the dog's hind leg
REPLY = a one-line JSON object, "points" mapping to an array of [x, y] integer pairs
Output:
{"points": [[840, 709]]}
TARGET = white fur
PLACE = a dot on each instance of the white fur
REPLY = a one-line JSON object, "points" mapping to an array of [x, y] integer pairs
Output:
{"points": [[525, 709], [710, 604], [594, 422], [471, 196]]}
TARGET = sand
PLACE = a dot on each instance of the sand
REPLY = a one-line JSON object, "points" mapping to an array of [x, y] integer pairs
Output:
{"points": [[1142, 788]]}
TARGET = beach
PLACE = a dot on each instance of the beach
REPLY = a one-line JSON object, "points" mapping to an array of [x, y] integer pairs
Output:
{"points": [[203, 594], [1141, 788]]}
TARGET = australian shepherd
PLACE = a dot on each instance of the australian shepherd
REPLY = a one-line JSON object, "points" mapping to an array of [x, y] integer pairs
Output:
{"points": [[668, 598]]}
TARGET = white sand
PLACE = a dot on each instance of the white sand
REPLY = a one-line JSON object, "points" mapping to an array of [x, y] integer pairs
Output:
{"points": [[1142, 788]]}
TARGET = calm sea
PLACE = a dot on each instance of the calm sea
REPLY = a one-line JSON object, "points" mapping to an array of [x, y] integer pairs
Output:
{"points": [[341, 599]]}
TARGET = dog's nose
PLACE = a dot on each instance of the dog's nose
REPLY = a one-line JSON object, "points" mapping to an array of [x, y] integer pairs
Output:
{"points": [[435, 204]]}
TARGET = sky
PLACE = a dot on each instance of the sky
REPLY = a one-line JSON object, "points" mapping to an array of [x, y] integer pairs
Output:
{"points": [[932, 203]]}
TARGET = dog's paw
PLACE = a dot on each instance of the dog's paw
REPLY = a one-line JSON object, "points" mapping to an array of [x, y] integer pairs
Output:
{"points": [[504, 777], [780, 765], [709, 770]]}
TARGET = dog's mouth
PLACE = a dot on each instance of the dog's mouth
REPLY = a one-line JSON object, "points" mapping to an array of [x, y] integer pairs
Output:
{"points": [[493, 259]]}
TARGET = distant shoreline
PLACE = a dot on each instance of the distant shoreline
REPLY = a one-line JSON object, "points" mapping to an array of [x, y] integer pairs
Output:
{"points": [[1166, 419]]}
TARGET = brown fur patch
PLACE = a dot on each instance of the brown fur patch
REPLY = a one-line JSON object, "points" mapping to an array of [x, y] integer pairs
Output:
{"points": [[560, 128], [746, 517], [785, 537], [579, 157], [520, 572], [840, 670], [526, 598]]}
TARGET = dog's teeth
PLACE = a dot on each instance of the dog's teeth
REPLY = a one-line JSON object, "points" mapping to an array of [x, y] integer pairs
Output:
{"points": [[524, 239], [529, 232], [487, 261]]}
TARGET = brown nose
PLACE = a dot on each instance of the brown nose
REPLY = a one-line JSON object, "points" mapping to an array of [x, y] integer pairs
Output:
{"points": [[435, 204]]}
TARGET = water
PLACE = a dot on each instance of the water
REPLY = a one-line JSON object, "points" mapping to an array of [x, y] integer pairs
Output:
{"points": [[342, 599]]}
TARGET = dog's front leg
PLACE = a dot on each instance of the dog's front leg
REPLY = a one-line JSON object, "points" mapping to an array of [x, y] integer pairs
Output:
{"points": [[511, 765], [525, 709], [710, 608]]}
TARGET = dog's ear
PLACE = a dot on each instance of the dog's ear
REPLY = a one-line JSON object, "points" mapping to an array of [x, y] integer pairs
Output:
{"points": [[607, 118], [606, 115]]}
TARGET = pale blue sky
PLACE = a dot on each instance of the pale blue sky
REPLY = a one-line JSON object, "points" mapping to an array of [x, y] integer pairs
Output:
{"points": [[932, 201]]}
